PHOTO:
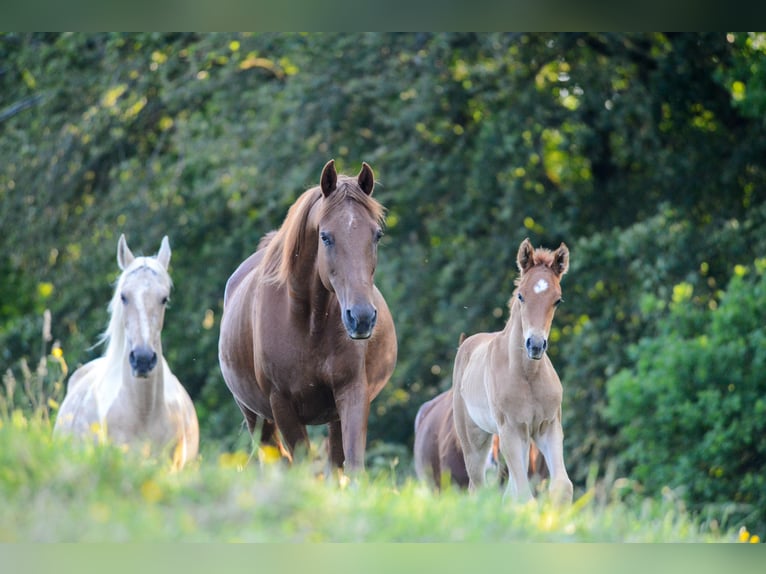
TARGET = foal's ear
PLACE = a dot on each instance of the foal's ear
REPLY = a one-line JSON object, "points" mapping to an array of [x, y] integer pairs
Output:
{"points": [[124, 255], [163, 257], [561, 260], [329, 178], [366, 179], [525, 259]]}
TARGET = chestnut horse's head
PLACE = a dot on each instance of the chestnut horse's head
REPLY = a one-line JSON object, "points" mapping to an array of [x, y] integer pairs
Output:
{"points": [[539, 293], [349, 227]]}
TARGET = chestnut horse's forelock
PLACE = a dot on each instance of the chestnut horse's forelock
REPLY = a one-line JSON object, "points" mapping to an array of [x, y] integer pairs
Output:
{"points": [[284, 246]]}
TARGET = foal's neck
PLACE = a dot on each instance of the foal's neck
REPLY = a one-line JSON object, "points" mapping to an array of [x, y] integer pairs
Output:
{"points": [[518, 358]]}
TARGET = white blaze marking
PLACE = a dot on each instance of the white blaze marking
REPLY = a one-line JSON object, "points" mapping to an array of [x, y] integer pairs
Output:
{"points": [[540, 286], [143, 316]]}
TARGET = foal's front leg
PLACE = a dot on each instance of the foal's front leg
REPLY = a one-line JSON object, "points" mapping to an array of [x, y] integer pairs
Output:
{"points": [[551, 444], [514, 444]]}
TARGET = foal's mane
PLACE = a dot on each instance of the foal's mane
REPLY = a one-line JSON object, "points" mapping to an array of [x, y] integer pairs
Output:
{"points": [[283, 247], [114, 336]]}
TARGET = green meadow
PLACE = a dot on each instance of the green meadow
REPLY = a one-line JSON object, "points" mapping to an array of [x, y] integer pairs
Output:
{"points": [[56, 490]]}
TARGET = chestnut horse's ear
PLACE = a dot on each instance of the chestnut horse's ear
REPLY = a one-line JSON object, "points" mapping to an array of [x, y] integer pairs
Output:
{"points": [[366, 179], [163, 257], [329, 179], [124, 255], [525, 259], [561, 260]]}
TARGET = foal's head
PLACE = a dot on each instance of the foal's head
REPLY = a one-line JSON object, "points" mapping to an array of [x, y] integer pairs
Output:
{"points": [[349, 226], [143, 291], [539, 293]]}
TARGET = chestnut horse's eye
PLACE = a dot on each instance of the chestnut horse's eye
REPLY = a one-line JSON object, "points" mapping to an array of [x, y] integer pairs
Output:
{"points": [[521, 298], [326, 238], [559, 302], [378, 235]]}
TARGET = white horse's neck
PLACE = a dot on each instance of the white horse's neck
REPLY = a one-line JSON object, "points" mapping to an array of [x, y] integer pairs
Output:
{"points": [[145, 397]]}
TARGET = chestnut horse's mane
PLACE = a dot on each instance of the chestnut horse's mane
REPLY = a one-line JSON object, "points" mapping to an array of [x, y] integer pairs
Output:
{"points": [[282, 247]]}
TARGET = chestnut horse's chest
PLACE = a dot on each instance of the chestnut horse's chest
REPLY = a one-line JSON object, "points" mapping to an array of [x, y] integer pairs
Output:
{"points": [[307, 366]]}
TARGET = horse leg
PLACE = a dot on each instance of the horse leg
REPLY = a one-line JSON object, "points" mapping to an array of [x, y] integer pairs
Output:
{"points": [[265, 432], [515, 448], [289, 425], [334, 445], [353, 405], [475, 442], [551, 444]]}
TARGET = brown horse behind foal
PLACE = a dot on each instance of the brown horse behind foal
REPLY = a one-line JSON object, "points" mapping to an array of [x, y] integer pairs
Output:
{"points": [[504, 382], [306, 337]]}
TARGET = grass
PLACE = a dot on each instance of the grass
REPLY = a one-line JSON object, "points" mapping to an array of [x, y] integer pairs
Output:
{"points": [[55, 490], [58, 490]]}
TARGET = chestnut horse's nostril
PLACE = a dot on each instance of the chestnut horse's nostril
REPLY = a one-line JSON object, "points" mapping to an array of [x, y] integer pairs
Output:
{"points": [[359, 320]]}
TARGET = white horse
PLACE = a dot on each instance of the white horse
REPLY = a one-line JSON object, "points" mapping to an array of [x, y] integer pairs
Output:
{"points": [[129, 395]]}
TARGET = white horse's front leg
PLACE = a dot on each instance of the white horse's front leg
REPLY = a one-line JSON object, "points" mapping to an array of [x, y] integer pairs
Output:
{"points": [[515, 448], [551, 444]]}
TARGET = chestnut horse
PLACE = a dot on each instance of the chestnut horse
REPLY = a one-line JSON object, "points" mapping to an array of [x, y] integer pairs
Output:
{"points": [[130, 396], [306, 337], [504, 382], [437, 452]]}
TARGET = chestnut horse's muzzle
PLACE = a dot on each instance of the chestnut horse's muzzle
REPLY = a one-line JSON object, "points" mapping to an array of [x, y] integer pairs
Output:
{"points": [[536, 347], [359, 321]]}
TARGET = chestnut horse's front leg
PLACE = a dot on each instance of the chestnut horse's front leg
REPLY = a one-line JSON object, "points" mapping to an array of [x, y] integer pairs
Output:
{"points": [[353, 404]]}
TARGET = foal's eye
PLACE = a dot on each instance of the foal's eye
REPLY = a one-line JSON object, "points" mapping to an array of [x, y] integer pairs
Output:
{"points": [[559, 302], [326, 238], [521, 298], [378, 235]]}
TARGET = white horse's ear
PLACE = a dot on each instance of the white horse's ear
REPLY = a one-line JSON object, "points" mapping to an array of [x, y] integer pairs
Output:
{"points": [[366, 179], [525, 258], [164, 255], [328, 181], [124, 255], [561, 260]]}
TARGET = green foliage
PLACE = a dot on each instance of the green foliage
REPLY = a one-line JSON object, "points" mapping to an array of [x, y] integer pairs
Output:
{"points": [[690, 412]]}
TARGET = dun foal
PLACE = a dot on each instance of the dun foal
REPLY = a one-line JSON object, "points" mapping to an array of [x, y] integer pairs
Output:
{"points": [[504, 382]]}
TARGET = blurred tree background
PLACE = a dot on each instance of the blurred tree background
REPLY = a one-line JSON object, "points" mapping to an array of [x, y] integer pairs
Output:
{"points": [[643, 152]]}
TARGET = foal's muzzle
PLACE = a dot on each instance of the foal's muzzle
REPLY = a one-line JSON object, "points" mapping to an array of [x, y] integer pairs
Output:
{"points": [[536, 347], [360, 320], [142, 360]]}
